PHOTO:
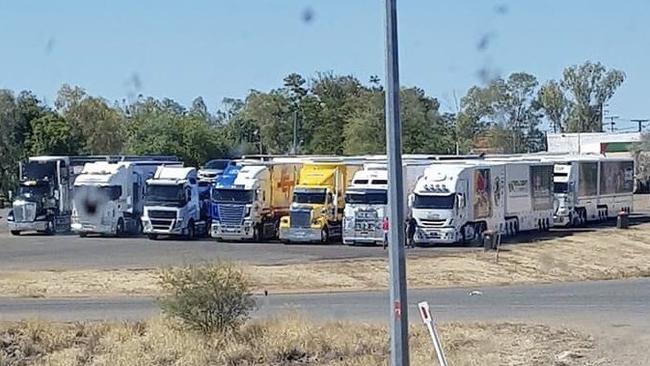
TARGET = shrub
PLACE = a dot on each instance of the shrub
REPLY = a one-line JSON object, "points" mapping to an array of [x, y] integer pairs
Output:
{"points": [[208, 298]]}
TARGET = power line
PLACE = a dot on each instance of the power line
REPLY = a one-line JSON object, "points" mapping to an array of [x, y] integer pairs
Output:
{"points": [[640, 122]]}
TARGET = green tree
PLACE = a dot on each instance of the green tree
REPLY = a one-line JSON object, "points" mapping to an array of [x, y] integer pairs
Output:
{"points": [[97, 124], [555, 105], [590, 86], [52, 135]]}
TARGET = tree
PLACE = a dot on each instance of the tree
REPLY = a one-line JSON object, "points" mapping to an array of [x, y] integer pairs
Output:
{"points": [[554, 104], [590, 85], [98, 125], [52, 135]]}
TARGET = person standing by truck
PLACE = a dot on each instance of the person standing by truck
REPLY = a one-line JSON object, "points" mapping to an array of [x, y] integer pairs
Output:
{"points": [[384, 226], [411, 227]]}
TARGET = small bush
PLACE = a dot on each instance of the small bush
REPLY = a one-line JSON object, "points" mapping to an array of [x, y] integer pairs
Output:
{"points": [[208, 298]]}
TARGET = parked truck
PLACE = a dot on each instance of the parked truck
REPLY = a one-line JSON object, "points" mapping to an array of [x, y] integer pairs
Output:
{"points": [[591, 187], [366, 201], [318, 202], [108, 198], [457, 202], [174, 205], [249, 199], [43, 202]]}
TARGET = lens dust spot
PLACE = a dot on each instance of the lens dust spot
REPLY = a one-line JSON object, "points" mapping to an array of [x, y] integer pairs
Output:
{"points": [[307, 15]]}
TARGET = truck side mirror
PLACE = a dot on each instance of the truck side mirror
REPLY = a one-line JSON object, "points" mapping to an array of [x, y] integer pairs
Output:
{"points": [[410, 200], [461, 200]]}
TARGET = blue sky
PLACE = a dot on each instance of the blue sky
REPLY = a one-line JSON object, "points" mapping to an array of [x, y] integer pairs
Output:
{"points": [[217, 49]]}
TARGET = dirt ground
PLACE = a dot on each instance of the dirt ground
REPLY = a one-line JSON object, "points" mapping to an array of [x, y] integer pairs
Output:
{"points": [[287, 341], [605, 253]]}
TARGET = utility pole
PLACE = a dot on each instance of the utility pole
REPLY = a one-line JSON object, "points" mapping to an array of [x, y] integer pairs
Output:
{"points": [[640, 122], [399, 344], [294, 147], [612, 123]]}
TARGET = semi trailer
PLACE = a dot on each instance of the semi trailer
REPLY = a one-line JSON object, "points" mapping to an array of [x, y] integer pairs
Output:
{"points": [[108, 198], [250, 197], [457, 202], [318, 202], [591, 188], [174, 204]]}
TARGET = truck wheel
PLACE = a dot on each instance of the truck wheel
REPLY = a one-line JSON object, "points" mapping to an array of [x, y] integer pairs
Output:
{"points": [[190, 230], [324, 235], [51, 228], [83, 235], [256, 233], [15, 232], [152, 236], [119, 230]]}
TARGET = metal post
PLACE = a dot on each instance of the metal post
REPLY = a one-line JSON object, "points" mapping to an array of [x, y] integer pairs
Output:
{"points": [[294, 148], [398, 301]]}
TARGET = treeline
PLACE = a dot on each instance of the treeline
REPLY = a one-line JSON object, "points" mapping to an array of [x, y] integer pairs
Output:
{"points": [[333, 114]]}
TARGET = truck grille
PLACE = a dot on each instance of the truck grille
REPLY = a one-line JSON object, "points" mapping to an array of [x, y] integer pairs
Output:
{"points": [[432, 222], [300, 218], [231, 214], [25, 212], [162, 214]]}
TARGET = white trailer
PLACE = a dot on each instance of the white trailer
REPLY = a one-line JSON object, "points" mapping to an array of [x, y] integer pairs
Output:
{"points": [[108, 198], [366, 201], [173, 204], [591, 187], [528, 196]]}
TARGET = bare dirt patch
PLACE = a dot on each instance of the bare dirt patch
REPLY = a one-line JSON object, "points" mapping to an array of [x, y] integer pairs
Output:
{"points": [[285, 341]]}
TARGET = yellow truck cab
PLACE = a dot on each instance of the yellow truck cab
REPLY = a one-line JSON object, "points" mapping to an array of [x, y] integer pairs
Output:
{"points": [[316, 212]]}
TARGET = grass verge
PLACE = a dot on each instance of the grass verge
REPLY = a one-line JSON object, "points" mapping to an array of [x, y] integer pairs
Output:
{"points": [[284, 341]]}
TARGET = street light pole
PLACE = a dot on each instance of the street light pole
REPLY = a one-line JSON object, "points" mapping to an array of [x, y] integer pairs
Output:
{"points": [[397, 263]]}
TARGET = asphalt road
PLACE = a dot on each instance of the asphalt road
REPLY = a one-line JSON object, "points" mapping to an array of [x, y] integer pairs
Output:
{"points": [[615, 313], [34, 252]]}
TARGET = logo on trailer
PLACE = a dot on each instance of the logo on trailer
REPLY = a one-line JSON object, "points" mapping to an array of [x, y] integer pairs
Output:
{"points": [[285, 183]]}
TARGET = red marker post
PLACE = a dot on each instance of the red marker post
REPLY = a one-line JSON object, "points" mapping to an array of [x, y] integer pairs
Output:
{"points": [[425, 314]]}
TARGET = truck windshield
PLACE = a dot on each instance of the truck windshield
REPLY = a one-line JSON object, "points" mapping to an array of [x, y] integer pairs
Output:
{"points": [[560, 187], [106, 192], [224, 195], [34, 170], [32, 191], [367, 198], [216, 164], [311, 196], [158, 193], [445, 202]]}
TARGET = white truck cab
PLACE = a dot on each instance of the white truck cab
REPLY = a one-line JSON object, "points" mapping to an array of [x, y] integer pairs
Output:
{"points": [[365, 205], [172, 205]]}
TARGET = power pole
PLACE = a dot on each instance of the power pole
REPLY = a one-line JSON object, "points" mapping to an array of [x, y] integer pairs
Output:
{"points": [[399, 344], [640, 122], [294, 147], [611, 122]]}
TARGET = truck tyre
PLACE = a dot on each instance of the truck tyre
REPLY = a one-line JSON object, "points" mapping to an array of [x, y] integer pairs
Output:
{"points": [[152, 236], [51, 228], [324, 235], [190, 230], [83, 235], [15, 232], [119, 230], [256, 233]]}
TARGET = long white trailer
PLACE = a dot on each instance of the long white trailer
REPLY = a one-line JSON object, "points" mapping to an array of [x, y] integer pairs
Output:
{"points": [[591, 187], [457, 201]]}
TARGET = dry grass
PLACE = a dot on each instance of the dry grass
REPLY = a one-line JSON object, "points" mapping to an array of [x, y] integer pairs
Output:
{"points": [[602, 254], [283, 342]]}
